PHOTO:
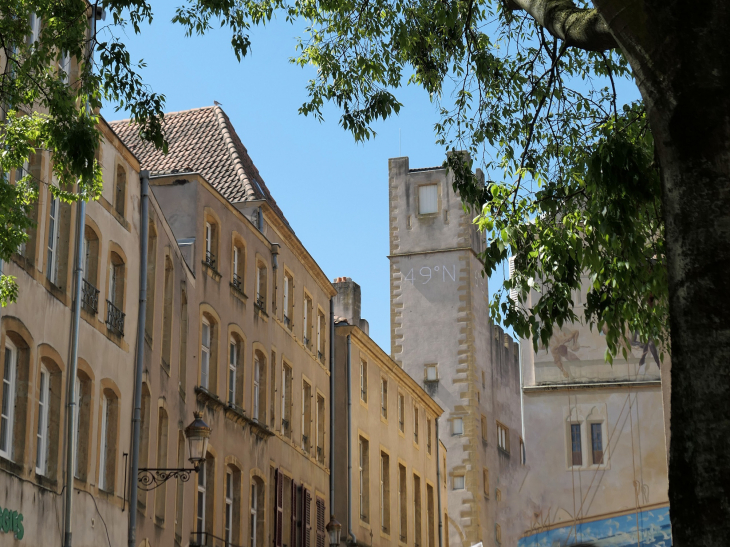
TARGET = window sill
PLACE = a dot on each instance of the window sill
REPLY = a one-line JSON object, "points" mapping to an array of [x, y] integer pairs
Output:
{"points": [[504, 452], [212, 272], [238, 293], [261, 312]]}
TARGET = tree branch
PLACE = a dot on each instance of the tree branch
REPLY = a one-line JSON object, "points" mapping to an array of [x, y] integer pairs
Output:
{"points": [[577, 27]]}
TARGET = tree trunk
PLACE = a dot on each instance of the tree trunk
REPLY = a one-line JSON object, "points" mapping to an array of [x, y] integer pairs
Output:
{"points": [[680, 53]]}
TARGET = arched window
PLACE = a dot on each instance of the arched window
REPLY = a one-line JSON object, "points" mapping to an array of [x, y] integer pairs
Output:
{"points": [[44, 392], [14, 414], [167, 314], [144, 441], [238, 266], [232, 517], [259, 387], [161, 491], [149, 326], [261, 285], [120, 190], [108, 440], [256, 523], [48, 426], [183, 369], [115, 295], [209, 353], [83, 425], [89, 290], [235, 371]]}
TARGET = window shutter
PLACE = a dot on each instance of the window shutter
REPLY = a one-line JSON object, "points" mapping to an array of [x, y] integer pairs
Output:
{"points": [[306, 518], [293, 514], [279, 519], [320, 523]]}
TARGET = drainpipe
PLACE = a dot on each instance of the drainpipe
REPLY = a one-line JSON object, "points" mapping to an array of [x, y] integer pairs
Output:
{"points": [[352, 539], [522, 408], [144, 177], [438, 487], [332, 408]]}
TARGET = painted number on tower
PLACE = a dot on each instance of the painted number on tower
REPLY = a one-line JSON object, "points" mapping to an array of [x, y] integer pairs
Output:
{"points": [[427, 273]]}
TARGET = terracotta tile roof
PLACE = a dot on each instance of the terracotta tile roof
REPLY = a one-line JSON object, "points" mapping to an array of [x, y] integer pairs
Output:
{"points": [[202, 140]]}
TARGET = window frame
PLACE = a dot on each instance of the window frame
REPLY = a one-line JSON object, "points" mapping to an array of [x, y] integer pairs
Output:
{"points": [[7, 412], [205, 351], [103, 442], [457, 431], [42, 437], [420, 190], [364, 381], [54, 231], [461, 481], [228, 518], [384, 398]]}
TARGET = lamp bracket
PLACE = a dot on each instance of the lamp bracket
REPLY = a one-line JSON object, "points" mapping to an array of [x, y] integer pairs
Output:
{"points": [[149, 478]]}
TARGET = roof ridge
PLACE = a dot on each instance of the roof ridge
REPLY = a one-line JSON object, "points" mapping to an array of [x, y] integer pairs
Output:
{"points": [[231, 147], [165, 114]]}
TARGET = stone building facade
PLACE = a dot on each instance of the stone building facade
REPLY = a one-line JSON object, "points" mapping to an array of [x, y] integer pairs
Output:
{"points": [[442, 337], [392, 446], [595, 443]]}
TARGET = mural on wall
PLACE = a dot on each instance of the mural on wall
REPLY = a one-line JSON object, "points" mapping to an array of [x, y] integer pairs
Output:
{"points": [[577, 353], [643, 529]]}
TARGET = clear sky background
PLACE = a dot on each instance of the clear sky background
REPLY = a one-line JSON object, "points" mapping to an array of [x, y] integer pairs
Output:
{"points": [[333, 191]]}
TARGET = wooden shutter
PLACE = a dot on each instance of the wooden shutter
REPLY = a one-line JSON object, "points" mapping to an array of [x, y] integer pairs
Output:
{"points": [[293, 514], [279, 518], [306, 518], [320, 523]]}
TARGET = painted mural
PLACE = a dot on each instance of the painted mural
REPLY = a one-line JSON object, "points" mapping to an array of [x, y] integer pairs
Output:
{"points": [[643, 529]]}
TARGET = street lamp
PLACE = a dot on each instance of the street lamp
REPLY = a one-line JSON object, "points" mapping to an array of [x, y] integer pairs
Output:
{"points": [[334, 529], [197, 434]]}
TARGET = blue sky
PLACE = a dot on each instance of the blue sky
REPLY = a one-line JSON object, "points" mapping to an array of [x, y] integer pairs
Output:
{"points": [[333, 191]]}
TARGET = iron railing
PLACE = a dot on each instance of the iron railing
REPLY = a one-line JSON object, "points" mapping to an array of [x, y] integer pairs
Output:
{"points": [[209, 260], [306, 341], [114, 319], [261, 302], [287, 322], [305, 442], [285, 426], [89, 297], [237, 282], [320, 356], [206, 539]]}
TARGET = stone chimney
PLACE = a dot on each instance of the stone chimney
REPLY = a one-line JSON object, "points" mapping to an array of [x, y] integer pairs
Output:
{"points": [[347, 303]]}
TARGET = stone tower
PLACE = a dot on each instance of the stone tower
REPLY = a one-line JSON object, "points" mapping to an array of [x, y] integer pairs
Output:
{"points": [[442, 336]]}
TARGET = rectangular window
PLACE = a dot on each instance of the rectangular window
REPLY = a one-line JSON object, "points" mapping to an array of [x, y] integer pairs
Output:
{"points": [[286, 388], [431, 519], [503, 437], [307, 327], [485, 477], [228, 532], [261, 286], [53, 234], [306, 416], [232, 364], [35, 28], [205, 354], [320, 336], [41, 456], [272, 392], [385, 492], [364, 381], [458, 426], [256, 387], [597, 442], [484, 428], [103, 447], [417, 509], [384, 398], [431, 373], [428, 436], [364, 468], [254, 513], [401, 412], [77, 437], [427, 199], [288, 301], [200, 515], [320, 428], [415, 424], [576, 445], [458, 482], [402, 503], [8, 408]]}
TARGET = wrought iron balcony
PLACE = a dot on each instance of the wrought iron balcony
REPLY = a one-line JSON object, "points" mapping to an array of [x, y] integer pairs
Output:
{"points": [[114, 319], [285, 425], [89, 297], [260, 302], [305, 442], [205, 539], [306, 341], [237, 282], [209, 260], [320, 454], [287, 321], [320, 356]]}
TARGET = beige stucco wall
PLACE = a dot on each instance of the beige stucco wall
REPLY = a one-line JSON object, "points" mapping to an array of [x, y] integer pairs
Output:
{"points": [[383, 436], [42, 316]]}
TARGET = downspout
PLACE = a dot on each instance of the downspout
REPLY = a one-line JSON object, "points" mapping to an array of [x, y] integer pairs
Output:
{"points": [[438, 486], [75, 323], [144, 177], [332, 408], [351, 535], [522, 409]]}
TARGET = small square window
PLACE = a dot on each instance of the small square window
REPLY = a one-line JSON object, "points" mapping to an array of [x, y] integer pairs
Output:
{"points": [[431, 373], [458, 482], [458, 426], [427, 199]]}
